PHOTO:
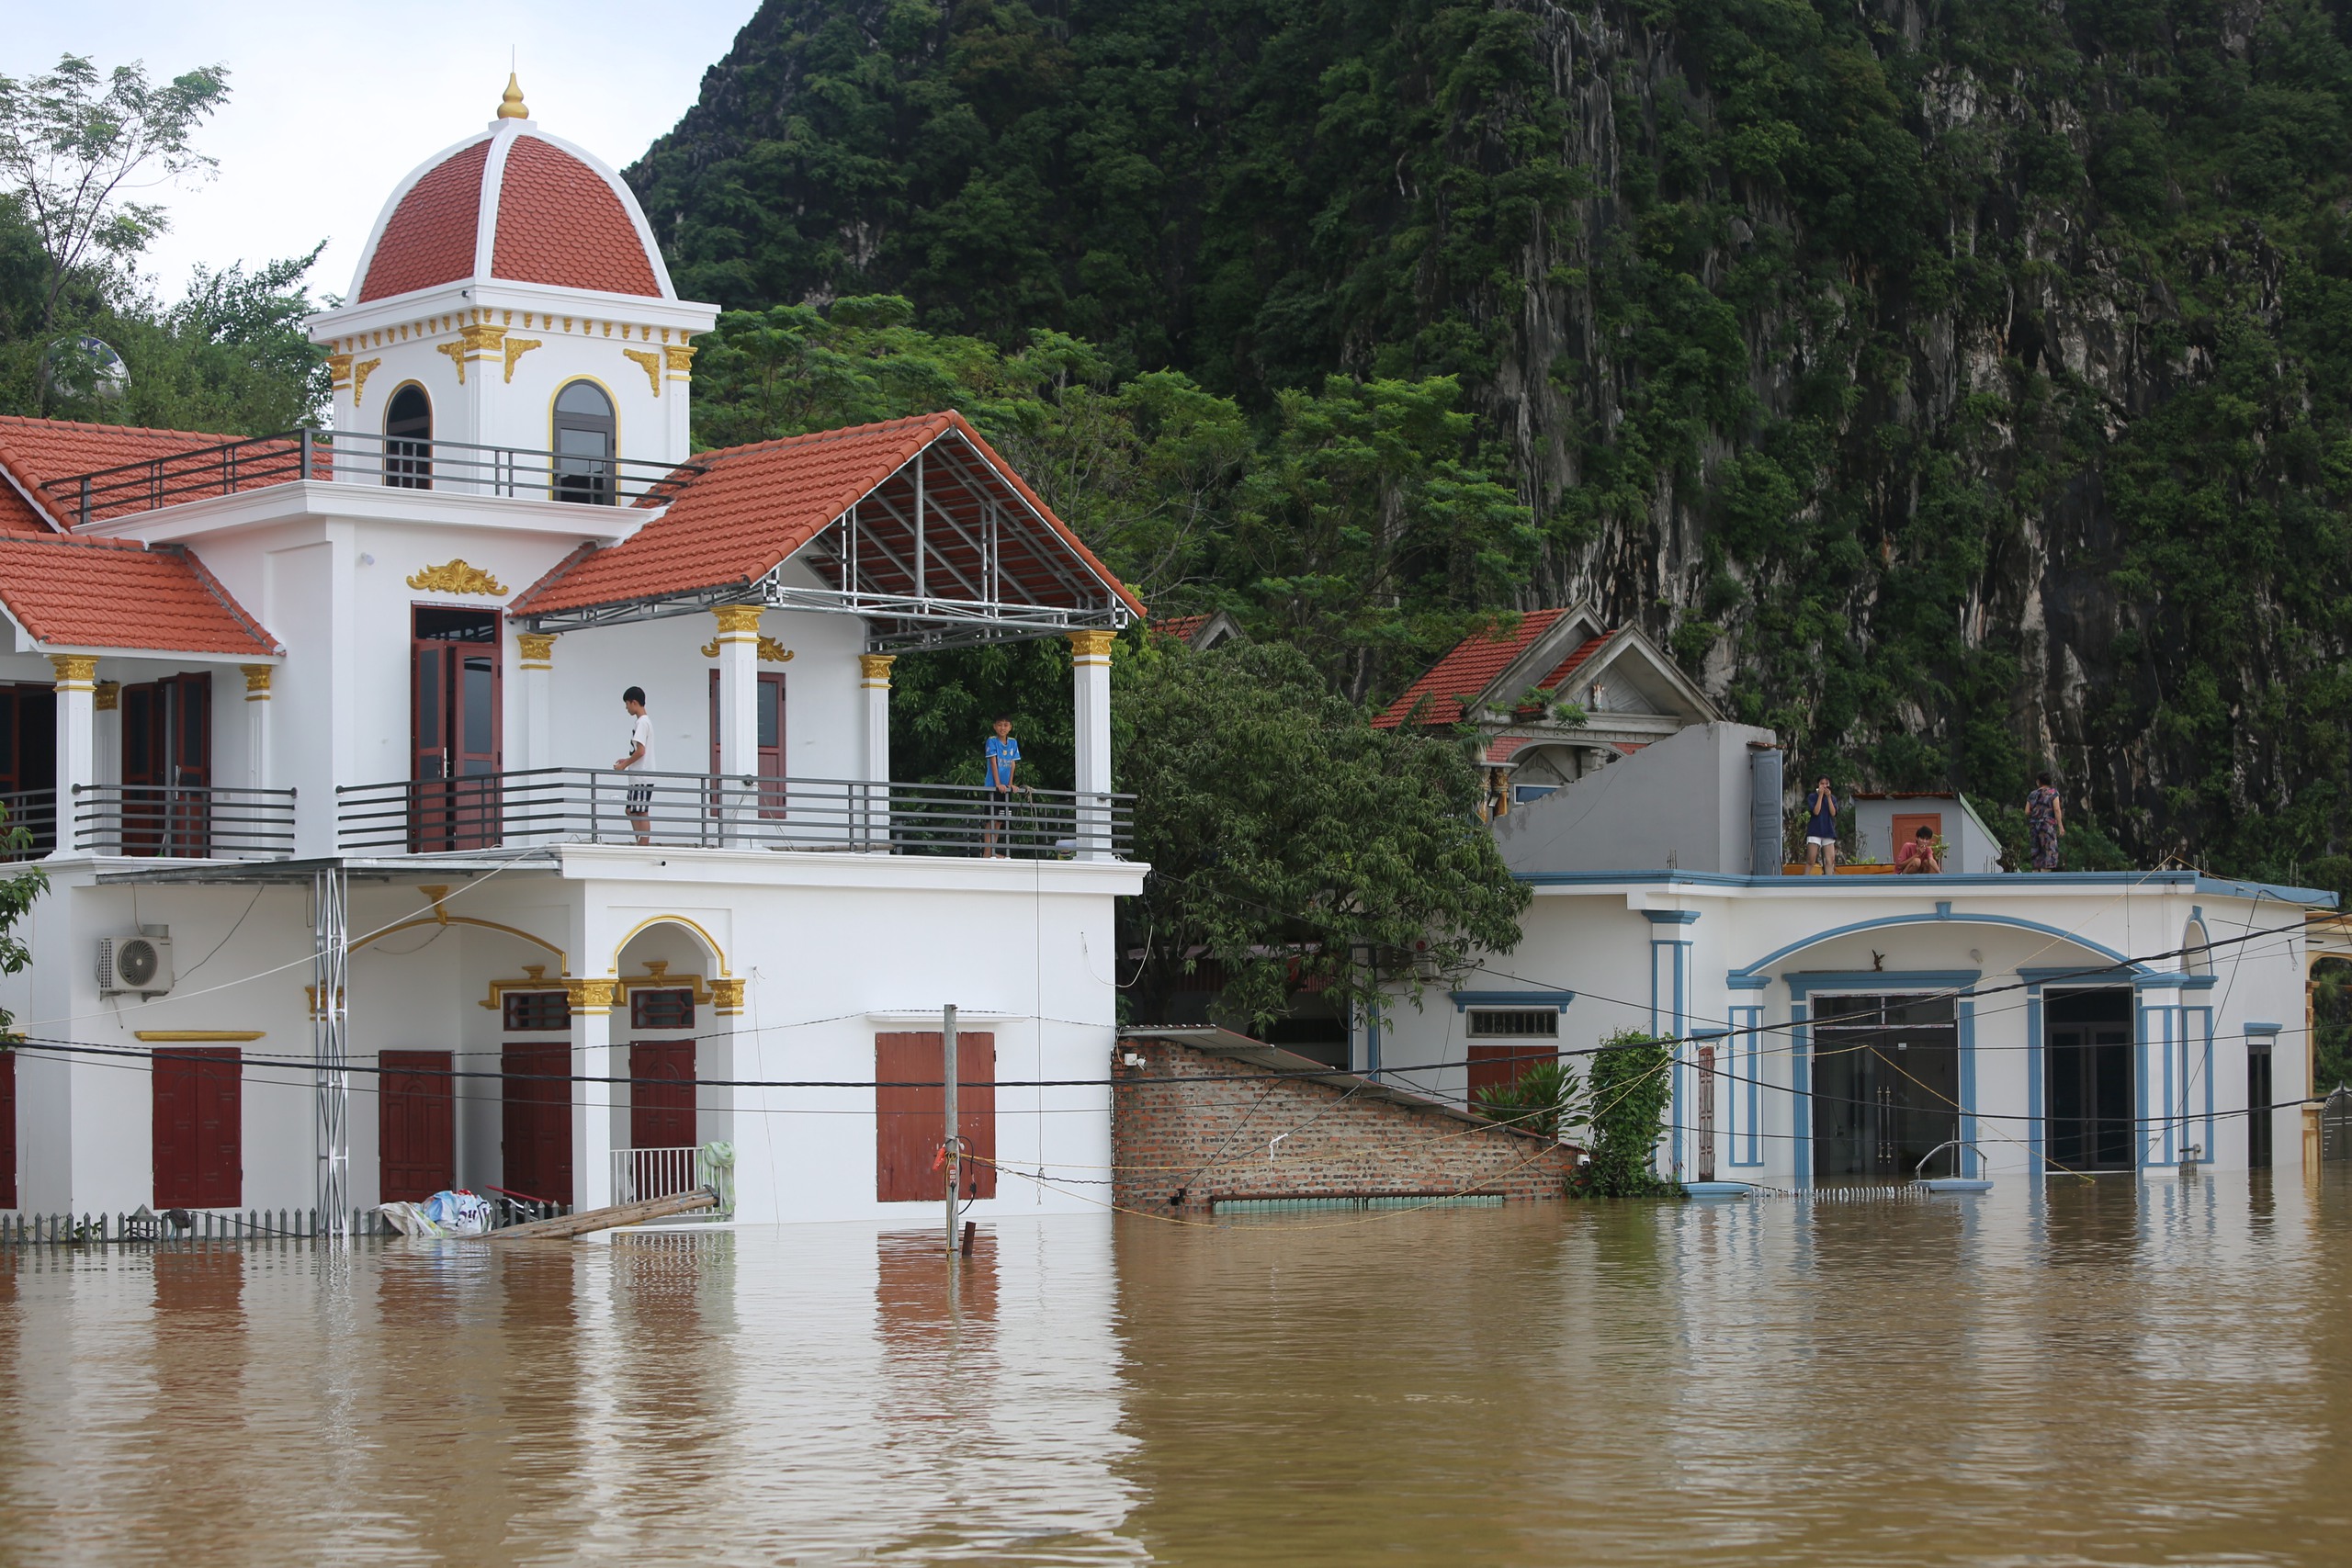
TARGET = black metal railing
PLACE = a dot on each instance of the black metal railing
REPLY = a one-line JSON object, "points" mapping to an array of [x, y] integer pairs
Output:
{"points": [[183, 821], [35, 811], [361, 457], [550, 805]]}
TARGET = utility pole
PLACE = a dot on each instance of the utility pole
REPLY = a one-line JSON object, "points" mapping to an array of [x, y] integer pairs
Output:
{"points": [[954, 1160]]}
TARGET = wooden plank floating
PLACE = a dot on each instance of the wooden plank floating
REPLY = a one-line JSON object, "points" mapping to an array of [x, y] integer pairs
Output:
{"points": [[605, 1218]]}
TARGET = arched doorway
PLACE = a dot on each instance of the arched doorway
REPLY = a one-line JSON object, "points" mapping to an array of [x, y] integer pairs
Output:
{"points": [[408, 439], [674, 1114], [586, 439]]}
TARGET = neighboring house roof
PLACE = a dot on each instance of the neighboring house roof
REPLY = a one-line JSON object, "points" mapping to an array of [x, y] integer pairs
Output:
{"points": [[1181, 628], [1574, 661], [1201, 632], [557, 214], [118, 593], [1476, 663], [751, 508]]}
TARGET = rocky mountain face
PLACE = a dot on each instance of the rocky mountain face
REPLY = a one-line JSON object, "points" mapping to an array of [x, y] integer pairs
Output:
{"points": [[1962, 388]]}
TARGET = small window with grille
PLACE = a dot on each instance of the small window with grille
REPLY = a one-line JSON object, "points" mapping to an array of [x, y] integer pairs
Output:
{"points": [[530, 1010], [660, 1010], [1514, 1023]]}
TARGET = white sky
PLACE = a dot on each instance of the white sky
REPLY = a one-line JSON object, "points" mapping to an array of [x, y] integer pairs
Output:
{"points": [[333, 102]]}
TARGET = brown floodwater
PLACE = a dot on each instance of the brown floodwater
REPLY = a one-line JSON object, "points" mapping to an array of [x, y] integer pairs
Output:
{"points": [[2102, 1374]]}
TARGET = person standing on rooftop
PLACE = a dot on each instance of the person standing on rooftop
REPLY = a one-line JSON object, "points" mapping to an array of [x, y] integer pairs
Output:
{"points": [[2045, 819], [1821, 830], [638, 763]]}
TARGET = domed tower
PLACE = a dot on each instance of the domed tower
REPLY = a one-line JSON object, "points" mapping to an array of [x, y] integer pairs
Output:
{"points": [[510, 297]]}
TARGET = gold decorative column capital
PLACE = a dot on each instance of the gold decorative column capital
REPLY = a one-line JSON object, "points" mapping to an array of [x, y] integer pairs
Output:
{"points": [[1091, 646], [679, 358], [738, 620], [727, 996], [338, 371], [537, 649], [875, 668], [258, 681], [75, 671], [591, 996], [108, 696]]}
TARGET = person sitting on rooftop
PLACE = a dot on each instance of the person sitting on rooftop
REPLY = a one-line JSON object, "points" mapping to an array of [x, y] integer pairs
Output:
{"points": [[1918, 856]]}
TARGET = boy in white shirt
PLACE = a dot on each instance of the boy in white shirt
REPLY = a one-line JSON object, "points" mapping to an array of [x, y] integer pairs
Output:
{"points": [[640, 758]]}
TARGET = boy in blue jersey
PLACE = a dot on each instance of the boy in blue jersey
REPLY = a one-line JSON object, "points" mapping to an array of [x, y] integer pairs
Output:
{"points": [[1003, 757]]}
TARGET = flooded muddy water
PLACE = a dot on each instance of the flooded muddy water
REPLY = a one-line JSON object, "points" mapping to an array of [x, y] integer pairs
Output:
{"points": [[2103, 1374]]}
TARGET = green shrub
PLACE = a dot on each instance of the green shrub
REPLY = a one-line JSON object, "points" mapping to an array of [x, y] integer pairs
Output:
{"points": [[1538, 1100], [1627, 1090]]}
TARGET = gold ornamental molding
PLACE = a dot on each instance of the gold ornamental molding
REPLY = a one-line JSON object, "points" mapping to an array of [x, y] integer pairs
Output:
{"points": [[75, 671], [360, 374], [456, 577], [257, 681], [456, 353], [875, 668], [591, 996], [516, 347], [727, 997], [1089, 647], [771, 651], [650, 361], [537, 649], [310, 998], [734, 620], [680, 358], [198, 1036], [107, 696], [338, 371]]}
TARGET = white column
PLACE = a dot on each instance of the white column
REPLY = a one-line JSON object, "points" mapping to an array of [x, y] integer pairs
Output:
{"points": [[594, 1105], [872, 820], [739, 711], [77, 753], [1090, 659], [677, 383], [534, 666], [257, 723], [106, 732]]}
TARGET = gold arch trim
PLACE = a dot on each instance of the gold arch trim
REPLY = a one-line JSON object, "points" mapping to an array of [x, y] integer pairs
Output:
{"points": [[709, 941], [445, 919], [194, 1036]]}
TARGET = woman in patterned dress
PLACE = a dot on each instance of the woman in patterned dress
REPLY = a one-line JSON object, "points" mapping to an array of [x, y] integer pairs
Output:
{"points": [[2046, 818]]}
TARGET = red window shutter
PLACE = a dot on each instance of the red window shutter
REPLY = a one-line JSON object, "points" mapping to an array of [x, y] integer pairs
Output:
{"points": [[910, 1118]]}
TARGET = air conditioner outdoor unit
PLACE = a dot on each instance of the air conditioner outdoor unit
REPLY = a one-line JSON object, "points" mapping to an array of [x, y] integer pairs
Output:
{"points": [[141, 963]]}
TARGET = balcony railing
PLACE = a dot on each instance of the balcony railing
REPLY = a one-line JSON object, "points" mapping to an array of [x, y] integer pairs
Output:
{"points": [[34, 810], [183, 821], [551, 805], [361, 457]]}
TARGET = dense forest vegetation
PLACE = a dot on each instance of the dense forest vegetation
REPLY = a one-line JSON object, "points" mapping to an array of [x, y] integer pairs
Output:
{"points": [[1958, 387]]}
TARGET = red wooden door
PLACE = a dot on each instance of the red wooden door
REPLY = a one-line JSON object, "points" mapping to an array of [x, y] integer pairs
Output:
{"points": [[661, 1094], [417, 1125], [453, 728], [167, 765], [536, 1117], [8, 1129], [910, 1118], [199, 1134], [770, 721]]}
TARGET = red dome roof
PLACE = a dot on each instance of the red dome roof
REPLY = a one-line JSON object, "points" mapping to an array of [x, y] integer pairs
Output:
{"points": [[561, 219]]}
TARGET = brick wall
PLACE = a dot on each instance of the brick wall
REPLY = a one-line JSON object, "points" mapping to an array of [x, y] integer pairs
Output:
{"points": [[1187, 1127]]}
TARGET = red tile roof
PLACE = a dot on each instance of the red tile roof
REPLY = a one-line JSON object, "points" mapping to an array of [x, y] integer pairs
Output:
{"points": [[1181, 628], [116, 594], [754, 506], [37, 452], [1569, 665], [1476, 663], [559, 222], [430, 237]]}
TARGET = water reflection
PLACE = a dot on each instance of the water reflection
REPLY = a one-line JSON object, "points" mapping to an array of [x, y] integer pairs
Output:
{"points": [[2108, 1372]]}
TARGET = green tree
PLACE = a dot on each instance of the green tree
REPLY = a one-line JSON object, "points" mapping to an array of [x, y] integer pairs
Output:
{"points": [[1628, 1087], [74, 144], [1294, 845]]}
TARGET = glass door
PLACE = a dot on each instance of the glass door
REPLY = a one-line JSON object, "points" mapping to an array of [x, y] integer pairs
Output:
{"points": [[454, 730], [2088, 1080], [1886, 1085]]}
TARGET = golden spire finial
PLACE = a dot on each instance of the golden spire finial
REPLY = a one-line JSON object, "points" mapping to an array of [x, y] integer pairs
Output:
{"points": [[510, 102]]}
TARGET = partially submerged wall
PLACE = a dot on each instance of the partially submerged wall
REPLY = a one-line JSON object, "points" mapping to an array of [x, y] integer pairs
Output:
{"points": [[1188, 1127]]}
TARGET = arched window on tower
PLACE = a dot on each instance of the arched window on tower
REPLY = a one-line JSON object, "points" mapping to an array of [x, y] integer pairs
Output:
{"points": [[408, 439], [586, 437]]}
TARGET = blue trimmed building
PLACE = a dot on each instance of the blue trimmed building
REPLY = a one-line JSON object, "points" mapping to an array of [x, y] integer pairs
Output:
{"points": [[1852, 1028]]}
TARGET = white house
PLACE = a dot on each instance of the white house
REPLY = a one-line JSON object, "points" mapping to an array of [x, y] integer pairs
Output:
{"points": [[329, 721], [1852, 1028]]}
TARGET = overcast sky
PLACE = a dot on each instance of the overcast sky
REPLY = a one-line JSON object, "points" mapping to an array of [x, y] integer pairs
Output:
{"points": [[333, 102]]}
